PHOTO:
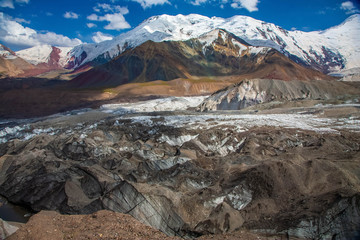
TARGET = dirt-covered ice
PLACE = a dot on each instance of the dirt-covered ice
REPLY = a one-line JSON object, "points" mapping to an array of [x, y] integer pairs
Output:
{"points": [[187, 173]]}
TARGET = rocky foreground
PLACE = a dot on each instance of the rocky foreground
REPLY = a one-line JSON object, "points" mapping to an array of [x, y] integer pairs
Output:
{"points": [[190, 174]]}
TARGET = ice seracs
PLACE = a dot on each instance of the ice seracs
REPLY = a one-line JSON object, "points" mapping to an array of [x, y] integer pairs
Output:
{"points": [[156, 105]]}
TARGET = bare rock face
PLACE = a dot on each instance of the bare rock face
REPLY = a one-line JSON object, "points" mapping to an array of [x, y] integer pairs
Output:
{"points": [[255, 91], [341, 221]]}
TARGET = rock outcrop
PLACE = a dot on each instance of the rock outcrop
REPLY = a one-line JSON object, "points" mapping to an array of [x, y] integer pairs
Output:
{"points": [[7, 229], [255, 91]]}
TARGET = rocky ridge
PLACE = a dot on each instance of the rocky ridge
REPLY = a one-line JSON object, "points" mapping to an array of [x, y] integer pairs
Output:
{"points": [[251, 92]]}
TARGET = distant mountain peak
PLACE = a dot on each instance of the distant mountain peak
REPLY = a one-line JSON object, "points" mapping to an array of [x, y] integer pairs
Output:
{"points": [[45, 54]]}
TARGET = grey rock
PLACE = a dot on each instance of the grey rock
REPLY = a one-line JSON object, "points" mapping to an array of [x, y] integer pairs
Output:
{"points": [[6, 229]]}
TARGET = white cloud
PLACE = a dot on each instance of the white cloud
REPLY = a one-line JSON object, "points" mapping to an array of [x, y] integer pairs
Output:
{"points": [[10, 3], [91, 25], [54, 39], [7, 3], [93, 17], [116, 21], [13, 33], [198, 2], [116, 18], [250, 5], [104, 7], [21, 20], [100, 37], [349, 7], [150, 3], [71, 15]]}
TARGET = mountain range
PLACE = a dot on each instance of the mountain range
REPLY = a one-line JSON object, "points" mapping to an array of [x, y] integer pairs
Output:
{"points": [[217, 53], [329, 51]]}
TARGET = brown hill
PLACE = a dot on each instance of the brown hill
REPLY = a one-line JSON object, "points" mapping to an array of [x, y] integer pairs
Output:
{"points": [[217, 53]]}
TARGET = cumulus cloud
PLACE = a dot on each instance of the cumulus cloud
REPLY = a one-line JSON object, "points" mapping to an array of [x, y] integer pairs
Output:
{"points": [[71, 15], [91, 25], [349, 7], [116, 21], [13, 33], [10, 3], [93, 17], [100, 37], [114, 15], [250, 5], [149, 3]]}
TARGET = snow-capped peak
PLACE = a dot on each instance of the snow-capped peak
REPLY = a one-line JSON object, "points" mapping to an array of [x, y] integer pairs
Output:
{"points": [[42, 54]]}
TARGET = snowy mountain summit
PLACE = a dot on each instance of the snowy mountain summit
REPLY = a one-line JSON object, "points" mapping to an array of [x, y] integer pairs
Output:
{"points": [[331, 50], [45, 54]]}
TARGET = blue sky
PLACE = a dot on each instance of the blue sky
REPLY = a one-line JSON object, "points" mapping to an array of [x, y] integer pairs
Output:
{"points": [[26, 23]]}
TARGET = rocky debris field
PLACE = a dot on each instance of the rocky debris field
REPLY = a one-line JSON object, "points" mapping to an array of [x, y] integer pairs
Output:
{"points": [[100, 225], [192, 174]]}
